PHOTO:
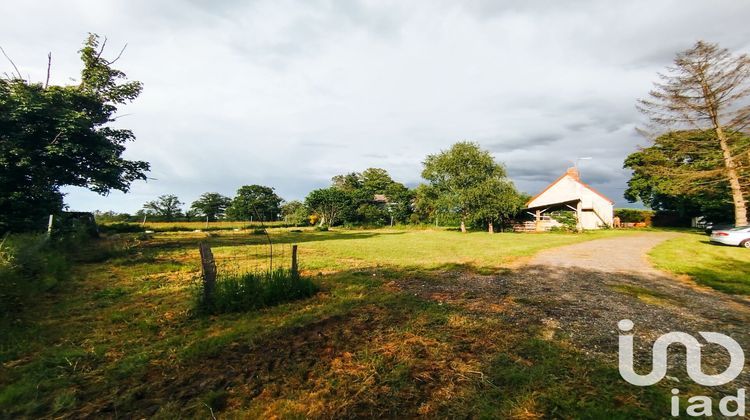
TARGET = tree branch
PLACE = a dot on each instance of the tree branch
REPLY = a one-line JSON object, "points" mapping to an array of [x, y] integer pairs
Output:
{"points": [[118, 55], [49, 65], [20, 76], [101, 50]]}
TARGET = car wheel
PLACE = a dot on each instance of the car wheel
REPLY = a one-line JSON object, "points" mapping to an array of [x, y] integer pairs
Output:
{"points": [[745, 243]]}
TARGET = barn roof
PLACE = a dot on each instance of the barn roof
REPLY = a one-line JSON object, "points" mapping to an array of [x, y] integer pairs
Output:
{"points": [[573, 174]]}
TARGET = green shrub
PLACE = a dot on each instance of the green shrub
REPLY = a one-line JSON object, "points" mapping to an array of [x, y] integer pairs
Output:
{"points": [[259, 231], [121, 228], [175, 228], [29, 264], [321, 228], [567, 219], [634, 215], [237, 293]]}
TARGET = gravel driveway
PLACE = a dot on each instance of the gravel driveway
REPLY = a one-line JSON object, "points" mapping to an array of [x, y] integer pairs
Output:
{"points": [[578, 293], [615, 255]]}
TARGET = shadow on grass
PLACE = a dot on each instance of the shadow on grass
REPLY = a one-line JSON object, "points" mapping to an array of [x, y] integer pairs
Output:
{"points": [[252, 239], [726, 273], [456, 341]]}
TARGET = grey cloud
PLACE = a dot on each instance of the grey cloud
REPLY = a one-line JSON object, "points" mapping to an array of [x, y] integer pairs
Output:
{"points": [[517, 143], [289, 93]]}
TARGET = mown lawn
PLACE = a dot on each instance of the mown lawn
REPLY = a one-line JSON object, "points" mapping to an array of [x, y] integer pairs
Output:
{"points": [[121, 338], [339, 250], [723, 268]]}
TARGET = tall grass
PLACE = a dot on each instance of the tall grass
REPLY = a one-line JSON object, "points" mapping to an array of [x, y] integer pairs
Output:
{"points": [[29, 264], [255, 290]]}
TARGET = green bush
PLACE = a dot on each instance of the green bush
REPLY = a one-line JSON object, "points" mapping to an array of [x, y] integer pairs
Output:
{"points": [[251, 291], [121, 228], [29, 264], [174, 228], [567, 219], [634, 215], [321, 228]]}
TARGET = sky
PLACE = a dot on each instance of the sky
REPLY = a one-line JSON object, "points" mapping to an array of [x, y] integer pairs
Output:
{"points": [[288, 94]]}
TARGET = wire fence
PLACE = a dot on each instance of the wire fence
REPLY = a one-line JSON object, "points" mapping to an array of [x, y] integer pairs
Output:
{"points": [[238, 260]]}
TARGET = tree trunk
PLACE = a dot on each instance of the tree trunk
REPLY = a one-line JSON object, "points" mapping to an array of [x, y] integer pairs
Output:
{"points": [[740, 204], [463, 226], [491, 228]]}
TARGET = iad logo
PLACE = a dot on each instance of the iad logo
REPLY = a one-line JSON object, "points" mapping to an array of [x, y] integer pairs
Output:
{"points": [[693, 349], [700, 405]]}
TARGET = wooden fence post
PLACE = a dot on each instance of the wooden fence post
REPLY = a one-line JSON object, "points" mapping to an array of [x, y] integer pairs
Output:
{"points": [[294, 260], [208, 268]]}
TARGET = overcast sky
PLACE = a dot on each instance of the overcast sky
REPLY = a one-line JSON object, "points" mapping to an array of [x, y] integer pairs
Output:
{"points": [[289, 94]]}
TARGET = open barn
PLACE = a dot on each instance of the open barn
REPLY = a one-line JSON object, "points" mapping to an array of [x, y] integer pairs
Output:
{"points": [[593, 210]]}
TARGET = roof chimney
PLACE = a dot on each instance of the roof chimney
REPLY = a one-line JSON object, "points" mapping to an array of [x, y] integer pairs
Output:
{"points": [[573, 173]]}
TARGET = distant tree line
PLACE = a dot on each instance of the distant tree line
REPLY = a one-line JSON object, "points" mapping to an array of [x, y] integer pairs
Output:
{"points": [[465, 186]]}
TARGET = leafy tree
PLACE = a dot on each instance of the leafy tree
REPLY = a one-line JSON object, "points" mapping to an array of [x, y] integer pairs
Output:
{"points": [[167, 207], [362, 189], [191, 215], [400, 201], [634, 215], [211, 205], [706, 90], [329, 203], [294, 212], [659, 179], [55, 136], [497, 202], [376, 180], [254, 202], [462, 179], [426, 203], [371, 213], [348, 182], [110, 216]]}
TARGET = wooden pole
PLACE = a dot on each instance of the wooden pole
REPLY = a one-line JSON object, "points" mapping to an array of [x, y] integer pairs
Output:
{"points": [[294, 260], [49, 225], [538, 216], [208, 267]]}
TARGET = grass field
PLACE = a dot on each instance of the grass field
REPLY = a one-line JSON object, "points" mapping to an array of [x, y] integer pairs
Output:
{"points": [[121, 339], [723, 268], [340, 250], [189, 226]]}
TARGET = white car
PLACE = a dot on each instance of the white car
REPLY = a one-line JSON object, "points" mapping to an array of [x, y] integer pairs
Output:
{"points": [[739, 236]]}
